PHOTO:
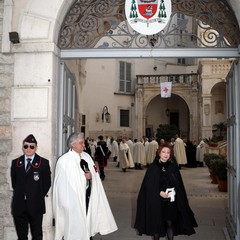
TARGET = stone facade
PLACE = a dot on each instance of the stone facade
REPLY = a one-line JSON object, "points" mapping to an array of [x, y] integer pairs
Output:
{"points": [[6, 82]]}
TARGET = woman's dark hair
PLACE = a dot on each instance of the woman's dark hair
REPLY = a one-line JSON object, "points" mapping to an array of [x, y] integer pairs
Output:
{"points": [[165, 145]]}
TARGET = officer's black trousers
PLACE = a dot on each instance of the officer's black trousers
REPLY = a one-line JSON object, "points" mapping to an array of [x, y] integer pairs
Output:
{"points": [[22, 222]]}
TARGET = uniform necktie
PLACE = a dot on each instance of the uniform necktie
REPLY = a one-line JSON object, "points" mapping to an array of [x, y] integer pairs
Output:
{"points": [[28, 164]]}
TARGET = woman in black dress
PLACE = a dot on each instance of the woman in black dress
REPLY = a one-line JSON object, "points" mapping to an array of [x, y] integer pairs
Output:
{"points": [[162, 205]]}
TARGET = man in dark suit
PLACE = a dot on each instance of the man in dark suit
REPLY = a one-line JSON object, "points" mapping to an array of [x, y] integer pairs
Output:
{"points": [[101, 155], [31, 180]]}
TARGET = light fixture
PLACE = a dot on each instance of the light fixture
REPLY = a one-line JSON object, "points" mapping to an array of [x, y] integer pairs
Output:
{"points": [[105, 114], [13, 37]]}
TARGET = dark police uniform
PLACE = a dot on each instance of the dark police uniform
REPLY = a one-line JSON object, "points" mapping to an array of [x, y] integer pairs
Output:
{"points": [[30, 189]]}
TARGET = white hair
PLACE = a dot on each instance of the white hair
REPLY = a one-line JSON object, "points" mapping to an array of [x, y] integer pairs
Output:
{"points": [[73, 138]]}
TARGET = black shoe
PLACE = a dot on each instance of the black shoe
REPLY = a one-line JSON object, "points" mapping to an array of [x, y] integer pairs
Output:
{"points": [[117, 164], [136, 166], [124, 169], [139, 167]]}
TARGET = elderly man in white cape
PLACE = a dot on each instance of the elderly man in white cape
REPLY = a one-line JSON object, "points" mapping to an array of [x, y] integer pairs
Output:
{"points": [[78, 214]]}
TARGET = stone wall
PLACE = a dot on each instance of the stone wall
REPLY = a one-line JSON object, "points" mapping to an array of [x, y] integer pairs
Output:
{"points": [[6, 81]]}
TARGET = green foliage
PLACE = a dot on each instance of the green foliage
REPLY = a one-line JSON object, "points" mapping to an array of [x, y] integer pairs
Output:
{"points": [[210, 141], [217, 163], [166, 131], [220, 130], [208, 157], [219, 168]]}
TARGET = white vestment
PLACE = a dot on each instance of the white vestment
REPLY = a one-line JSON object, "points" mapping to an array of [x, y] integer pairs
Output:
{"points": [[151, 151], [146, 148], [201, 150], [180, 151], [125, 156], [69, 200], [130, 144], [139, 153], [114, 149]]}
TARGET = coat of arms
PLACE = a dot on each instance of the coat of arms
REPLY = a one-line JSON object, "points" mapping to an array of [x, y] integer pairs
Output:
{"points": [[148, 16]]}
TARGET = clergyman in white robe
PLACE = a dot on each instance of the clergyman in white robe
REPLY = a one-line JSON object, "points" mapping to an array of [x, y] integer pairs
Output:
{"points": [[180, 151], [69, 200], [201, 150], [114, 153], [151, 151], [125, 156], [130, 144]]}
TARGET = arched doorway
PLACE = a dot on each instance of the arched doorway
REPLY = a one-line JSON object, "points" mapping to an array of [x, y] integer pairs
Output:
{"points": [[172, 111], [99, 39]]}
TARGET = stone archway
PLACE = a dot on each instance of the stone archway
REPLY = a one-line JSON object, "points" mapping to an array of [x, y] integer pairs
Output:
{"points": [[212, 73], [148, 89], [178, 114]]}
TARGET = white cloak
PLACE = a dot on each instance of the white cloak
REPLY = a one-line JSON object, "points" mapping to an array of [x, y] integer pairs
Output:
{"points": [[130, 144], [125, 156], [201, 150], [151, 151], [180, 151], [139, 153], [114, 149], [69, 203]]}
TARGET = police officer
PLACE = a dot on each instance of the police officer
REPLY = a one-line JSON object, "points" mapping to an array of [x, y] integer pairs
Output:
{"points": [[31, 180]]}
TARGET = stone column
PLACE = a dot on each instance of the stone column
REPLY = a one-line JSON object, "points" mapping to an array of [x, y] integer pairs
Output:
{"points": [[139, 123], [33, 111], [194, 117]]}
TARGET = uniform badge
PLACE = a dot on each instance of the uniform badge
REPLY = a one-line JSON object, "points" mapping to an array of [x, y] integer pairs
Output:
{"points": [[36, 176]]}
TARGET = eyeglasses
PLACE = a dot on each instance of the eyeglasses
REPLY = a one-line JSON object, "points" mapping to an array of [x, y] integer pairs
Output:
{"points": [[28, 146]]}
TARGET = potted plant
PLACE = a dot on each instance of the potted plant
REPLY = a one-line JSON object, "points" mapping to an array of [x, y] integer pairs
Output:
{"points": [[219, 168], [209, 159], [212, 142], [219, 130], [167, 131]]}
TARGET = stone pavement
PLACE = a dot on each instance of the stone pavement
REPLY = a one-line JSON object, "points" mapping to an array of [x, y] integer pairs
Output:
{"points": [[208, 204]]}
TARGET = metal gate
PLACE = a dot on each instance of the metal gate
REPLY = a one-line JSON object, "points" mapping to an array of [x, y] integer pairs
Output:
{"points": [[66, 108], [233, 111]]}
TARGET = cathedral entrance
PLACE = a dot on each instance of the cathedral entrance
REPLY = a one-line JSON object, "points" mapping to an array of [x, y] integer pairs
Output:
{"points": [[193, 33]]}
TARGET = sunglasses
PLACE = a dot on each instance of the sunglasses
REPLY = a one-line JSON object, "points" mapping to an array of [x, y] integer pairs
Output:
{"points": [[28, 146]]}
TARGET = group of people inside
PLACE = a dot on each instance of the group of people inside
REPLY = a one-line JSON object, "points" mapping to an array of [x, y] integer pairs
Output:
{"points": [[140, 153], [80, 206]]}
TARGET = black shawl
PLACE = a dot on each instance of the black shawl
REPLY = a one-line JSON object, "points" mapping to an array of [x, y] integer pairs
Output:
{"points": [[149, 219]]}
